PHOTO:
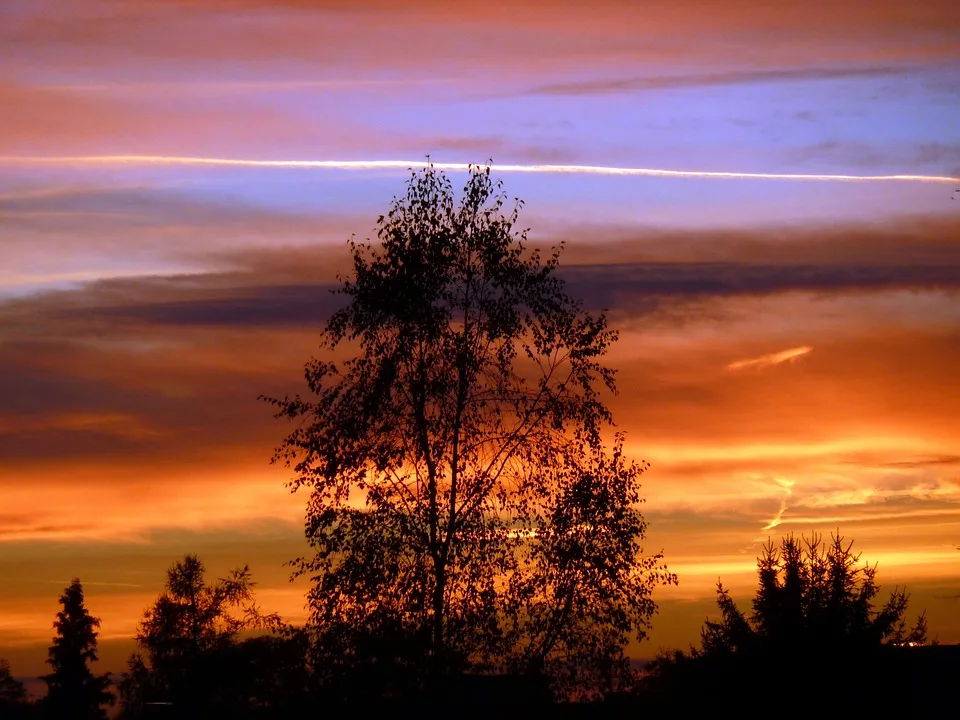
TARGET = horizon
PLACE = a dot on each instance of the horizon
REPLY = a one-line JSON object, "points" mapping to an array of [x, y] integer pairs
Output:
{"points": [[764, 200]]}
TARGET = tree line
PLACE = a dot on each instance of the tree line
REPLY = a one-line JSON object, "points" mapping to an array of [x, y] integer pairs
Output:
{"points": [[206, 649], [473, 517]]}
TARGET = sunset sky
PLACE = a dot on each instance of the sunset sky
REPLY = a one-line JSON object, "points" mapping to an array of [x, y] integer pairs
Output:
{"points": [[789, 357]]}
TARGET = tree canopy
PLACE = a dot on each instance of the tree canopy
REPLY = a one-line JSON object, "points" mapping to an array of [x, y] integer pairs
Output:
{"points": [[74, 692], [815, 616], [816, 595], [470, 506], [188, 641]]}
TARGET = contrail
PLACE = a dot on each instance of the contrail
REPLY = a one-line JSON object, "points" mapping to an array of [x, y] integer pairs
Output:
{"points": [[168, 160], [771, 359], [775, 521]]}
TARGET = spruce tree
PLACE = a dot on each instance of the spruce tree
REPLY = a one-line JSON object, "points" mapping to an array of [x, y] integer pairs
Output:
{"points": [[73, 690]]}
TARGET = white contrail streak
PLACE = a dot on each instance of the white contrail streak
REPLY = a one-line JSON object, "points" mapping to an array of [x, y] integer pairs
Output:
{"points": [[771, 359], [167, 160], [777, 519]]}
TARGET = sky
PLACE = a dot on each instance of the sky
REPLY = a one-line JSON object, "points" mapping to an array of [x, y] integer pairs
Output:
{"points": [[789, 348]]}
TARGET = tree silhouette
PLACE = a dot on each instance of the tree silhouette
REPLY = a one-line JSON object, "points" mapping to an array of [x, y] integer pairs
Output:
{"points": [[464, 511], [11, 689], [14, 704], [188, 638], [814, 613], [814, 596], [73, 690]]}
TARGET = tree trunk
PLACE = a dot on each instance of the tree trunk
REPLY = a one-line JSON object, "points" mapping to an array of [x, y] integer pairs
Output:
{"points": [[439, 648]]}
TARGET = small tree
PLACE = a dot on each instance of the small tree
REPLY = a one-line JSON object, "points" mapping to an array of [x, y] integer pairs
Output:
{"points": [[12, 691], [188, 636], [464, 509], [14, 704], [73, 690]]}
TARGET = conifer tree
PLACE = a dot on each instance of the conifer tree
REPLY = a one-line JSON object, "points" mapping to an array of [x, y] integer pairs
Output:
{"points": [[11, 689], [73, 690]]}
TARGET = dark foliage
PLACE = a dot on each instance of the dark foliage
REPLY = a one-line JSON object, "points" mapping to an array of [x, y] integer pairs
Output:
{"points": [[816, 596], [465, 513], [74, 692], [194, 659], [11, 690], [814, 616]]}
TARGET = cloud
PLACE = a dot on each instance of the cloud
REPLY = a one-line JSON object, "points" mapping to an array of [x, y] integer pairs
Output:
{"points": [[488, 146], [131, 511], [51, 119], [851, 153], [764, 361], [263, 306], [117, 425], [176, 45], [640, 288], [213, 88], [126, 369], [615, 28], [948, 513], [144, 229], [238, 299], [911, 240], [775, 521], [693, 80], [925, 462]]}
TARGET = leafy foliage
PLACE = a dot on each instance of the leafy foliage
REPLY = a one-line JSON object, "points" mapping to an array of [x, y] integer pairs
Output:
{"points": [[73, 690], [188, 641], [464, 511]]}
